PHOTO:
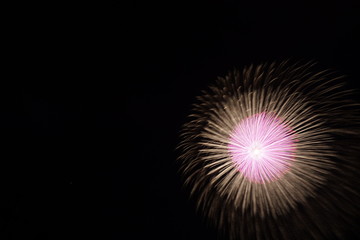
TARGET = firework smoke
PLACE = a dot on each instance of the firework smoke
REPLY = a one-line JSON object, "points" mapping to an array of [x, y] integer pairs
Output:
{"points": [[272, 153]]}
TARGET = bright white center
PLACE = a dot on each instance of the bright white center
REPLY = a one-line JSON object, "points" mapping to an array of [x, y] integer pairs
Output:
{"points": [[256, 151]]}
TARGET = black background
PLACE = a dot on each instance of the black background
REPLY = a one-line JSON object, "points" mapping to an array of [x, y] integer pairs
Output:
{"points": [[101, 92]]}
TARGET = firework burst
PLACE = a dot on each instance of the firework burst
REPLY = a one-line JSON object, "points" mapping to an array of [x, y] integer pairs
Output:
{"points": [[270, 153]]}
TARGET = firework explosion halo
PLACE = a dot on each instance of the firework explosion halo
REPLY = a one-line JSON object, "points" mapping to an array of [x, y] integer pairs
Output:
{"points": [[265, 142]]}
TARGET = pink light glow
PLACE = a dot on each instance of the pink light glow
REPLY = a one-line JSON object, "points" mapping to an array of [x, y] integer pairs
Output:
{"points": [[262, 147]]}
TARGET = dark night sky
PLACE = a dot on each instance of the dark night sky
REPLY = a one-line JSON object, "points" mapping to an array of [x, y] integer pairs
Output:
{"points": [[89, 135]]}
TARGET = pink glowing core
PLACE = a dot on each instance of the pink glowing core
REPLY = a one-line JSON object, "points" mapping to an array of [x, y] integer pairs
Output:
{"points": [[262, 147]]}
